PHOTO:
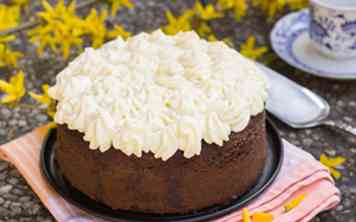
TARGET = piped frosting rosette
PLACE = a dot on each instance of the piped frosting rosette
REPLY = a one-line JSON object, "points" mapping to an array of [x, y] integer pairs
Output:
{"points": [[158, 93]]}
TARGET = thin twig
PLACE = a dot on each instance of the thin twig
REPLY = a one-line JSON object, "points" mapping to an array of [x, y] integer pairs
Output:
{"points": [[31, 24]]}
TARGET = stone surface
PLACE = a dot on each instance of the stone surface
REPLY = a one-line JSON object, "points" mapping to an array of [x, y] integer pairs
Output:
{"points": [[19, 203]]}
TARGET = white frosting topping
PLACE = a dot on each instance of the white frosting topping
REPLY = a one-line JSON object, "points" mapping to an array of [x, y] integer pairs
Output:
{"points": [[158, 93]]}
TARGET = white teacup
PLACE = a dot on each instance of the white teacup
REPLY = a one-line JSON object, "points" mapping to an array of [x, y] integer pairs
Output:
{"points": [[333, 27]]}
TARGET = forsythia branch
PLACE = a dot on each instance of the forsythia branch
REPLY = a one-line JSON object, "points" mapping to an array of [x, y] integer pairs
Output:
{"points": [[31, 24]]}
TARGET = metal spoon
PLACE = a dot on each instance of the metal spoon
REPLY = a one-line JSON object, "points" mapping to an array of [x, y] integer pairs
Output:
{"points": [[298, 106]]}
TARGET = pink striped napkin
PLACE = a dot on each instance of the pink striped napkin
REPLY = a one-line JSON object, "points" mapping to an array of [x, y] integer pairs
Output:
{"points": [[300, 174]]}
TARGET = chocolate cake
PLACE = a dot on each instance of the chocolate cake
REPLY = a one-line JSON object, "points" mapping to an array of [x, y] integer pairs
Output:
{"points": [[161, 124], [178, 185]]}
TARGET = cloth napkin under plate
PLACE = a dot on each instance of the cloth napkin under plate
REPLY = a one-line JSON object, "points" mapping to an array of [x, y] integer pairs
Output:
{"points": [[300, 174]]}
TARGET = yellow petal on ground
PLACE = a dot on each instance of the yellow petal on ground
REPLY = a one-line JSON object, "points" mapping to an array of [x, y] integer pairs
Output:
{"points": [[115, 6], [332, 161], [273, 7], [7, 56], [262, 217], [62, 29], [72, 6], [5, 87], [118, 31], [18, 80], [294, 202], [212, 38], [7, 38], [127, 3], [118, 4], [207, 12], [170, 16], [226, 4], [20, 2], [8, 99], [42, 98], [14, 89], [246, 215], [45, 99], [335, 173], [177, 24], [65, 51], [45, 88], [39, 98], [47, 6], [250, 50], [9, 16], [240, 9], [95, 27]]}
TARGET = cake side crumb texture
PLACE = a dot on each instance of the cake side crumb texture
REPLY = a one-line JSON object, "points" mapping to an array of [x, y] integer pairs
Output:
{"points": [[178, 185]]}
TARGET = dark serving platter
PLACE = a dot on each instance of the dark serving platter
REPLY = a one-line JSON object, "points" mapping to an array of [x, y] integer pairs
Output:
{"points": [[54, 177]]}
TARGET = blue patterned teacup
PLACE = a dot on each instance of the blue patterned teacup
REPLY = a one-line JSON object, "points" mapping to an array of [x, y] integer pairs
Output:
{"points": [[333, 27]]}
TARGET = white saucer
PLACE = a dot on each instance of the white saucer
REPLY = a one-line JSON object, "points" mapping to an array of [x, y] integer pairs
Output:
{"points": [[290, 40]]}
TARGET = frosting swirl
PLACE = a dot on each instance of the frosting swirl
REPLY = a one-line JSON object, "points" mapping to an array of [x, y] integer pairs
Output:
{"points": [[158, 93]]}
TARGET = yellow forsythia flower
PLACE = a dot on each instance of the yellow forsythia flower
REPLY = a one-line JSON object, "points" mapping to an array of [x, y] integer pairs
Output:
{"points": [[65, 39], [203, 29], [118, 31], [59, 12], [14, 89], [246, 215], [272, 7], [207, 12], [262, 217], [239, 7], [62, 29], [294, 202], [331, 163], [20, 2], [226, 4], [177, 24], [42, 98], [95, 27], [9, 18], [212, 38], [250, 50], [45, 99], [117, 4], [8, 57], [7, 38]]}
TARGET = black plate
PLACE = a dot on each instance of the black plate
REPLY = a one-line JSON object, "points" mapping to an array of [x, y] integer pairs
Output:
{"points": [[77, 198]]}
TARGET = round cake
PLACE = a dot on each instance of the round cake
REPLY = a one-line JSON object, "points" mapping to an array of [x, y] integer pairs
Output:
{"points": [[161, 124]]}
